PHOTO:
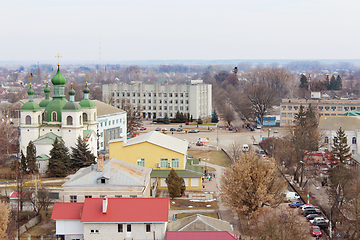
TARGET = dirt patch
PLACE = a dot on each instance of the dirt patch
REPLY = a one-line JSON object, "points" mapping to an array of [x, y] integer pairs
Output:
{"points": [[185, 204]]}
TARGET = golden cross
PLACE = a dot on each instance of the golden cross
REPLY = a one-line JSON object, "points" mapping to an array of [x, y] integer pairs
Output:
{"points": [[58, 56]]}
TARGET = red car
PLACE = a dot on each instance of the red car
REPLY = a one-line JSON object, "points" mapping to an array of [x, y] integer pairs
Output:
{"points": [[143, 128], [315, 231], [158, 129]]}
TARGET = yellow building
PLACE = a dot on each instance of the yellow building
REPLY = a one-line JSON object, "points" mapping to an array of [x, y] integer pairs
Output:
{"points": [[153, 149], [160, 152]]}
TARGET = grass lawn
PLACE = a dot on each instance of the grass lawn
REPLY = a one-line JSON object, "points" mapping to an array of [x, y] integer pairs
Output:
{"points": [[183, 215], [216, 157], [183, 204]]}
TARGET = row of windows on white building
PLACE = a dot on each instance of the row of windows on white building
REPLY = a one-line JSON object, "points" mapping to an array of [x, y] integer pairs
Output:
{"points": [[69, 119]]}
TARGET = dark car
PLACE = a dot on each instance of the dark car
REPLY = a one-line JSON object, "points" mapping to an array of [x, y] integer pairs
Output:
{"points": [[252, 129], [311, 211], [312, 216], [199, 144], [296, 204], [179, 129], [172, 129]]}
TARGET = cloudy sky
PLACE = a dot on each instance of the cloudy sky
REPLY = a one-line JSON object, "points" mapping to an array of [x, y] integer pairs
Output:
{"points": [[37, 30]]}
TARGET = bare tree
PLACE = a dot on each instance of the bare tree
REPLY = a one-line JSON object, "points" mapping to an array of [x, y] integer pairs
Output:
{"points": [[9, 138], [256, 101], [250, 184], [235, 151], [228, 114], [4, 219], [133, 116]]}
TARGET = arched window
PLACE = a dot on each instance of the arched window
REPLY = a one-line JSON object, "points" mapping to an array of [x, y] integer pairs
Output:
{"points": [[353, 140], [69, 120], [54, 116], [94, 116], [28, 120], [80, 120], [85, 117], [45, 116], [39, 120], [326, 140]]}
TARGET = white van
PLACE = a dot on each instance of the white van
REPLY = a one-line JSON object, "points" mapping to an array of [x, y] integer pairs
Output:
{"points": [[291, 196], [245, 148]]}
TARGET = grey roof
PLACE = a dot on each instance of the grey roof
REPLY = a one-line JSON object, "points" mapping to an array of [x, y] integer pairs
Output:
{"points": [[105, 109], [199, 222], [160, 139], [119, 173], [47, 139], [335, 122]]}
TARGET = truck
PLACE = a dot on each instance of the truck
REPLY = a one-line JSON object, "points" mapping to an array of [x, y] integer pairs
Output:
{"points": [[291, 196]]}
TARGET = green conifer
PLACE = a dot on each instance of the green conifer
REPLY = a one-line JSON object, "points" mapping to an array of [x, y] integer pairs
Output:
{"points": [[176, 184], [59, 159], [31, 158], [81, 156]]}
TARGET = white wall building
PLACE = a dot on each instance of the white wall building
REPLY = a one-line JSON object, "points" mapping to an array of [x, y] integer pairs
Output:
{"points": [[156, 100]]}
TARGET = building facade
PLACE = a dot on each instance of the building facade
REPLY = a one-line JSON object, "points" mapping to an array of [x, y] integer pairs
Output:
{"points": [[58, 118], [156, 100], [324, 107]]}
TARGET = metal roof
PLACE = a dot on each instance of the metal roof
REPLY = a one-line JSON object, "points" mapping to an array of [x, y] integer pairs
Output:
{"points": [[335, 122], [199, 222], [160, 139], [119, 173]]}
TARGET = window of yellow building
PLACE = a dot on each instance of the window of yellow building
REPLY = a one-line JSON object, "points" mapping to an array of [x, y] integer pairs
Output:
{"points": [[141, 162], [164, 163], [175, 163]]}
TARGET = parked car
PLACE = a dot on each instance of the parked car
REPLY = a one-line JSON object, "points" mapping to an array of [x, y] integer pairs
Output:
{"points": [[194, 131], [158, 129], [315, 231], [172, 129], [312, 210], [230, 128], [245, 148], [291, 196], [312, 216], [163, 129], [322, 223], [143, 128], [296, 204], [276, 131], [199, 144], [252, 129], [255, 142], [179, 129]]}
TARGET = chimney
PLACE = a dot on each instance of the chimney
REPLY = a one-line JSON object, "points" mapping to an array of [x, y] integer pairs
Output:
{"points": [[100, 164], [104, 204]]}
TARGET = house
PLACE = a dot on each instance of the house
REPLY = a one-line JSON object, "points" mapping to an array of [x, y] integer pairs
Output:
{"points": [[113, 218], [200, 235], [112, 178], [153, 149], [68, 223], [199, 222], [329, 125]]}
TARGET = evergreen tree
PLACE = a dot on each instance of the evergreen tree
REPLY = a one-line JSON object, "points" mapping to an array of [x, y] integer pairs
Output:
{"points": [[23, 164], [166, 119], [188, 117], [31, 158], [215, 117], [176, 184], [332, 83], [340, 149], [182, 117], [81, 156], [177, 115], [199, 121], [338, 83], [59, 159], [303, 81], [191, 118]]}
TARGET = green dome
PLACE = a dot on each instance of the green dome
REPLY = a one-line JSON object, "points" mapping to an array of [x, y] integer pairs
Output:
{"points": [[71, 106], [72, 92], [30, 91], [44, 103], [30, 106], [58, 79], [47, 90], [86, 89], [55, 105], [86, 103]]}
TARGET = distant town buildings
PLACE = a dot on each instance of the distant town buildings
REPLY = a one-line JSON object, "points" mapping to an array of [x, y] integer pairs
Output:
{"points": [[156, 100], [324, 107]]}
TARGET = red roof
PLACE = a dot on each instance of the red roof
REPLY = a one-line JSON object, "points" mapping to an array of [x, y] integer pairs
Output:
{"points": [[200, 235], [67, 210], [126, 210], [15, 194]]}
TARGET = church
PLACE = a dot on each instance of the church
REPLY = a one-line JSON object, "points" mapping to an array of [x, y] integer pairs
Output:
{"points": [[57, 117]]}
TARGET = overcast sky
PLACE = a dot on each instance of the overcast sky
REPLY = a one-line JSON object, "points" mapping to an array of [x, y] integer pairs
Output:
{"points": [[37, 30]]}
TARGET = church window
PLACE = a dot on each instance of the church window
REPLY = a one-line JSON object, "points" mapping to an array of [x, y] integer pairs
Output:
{"points": [[353, 140], [85, 117], [80, 120], [54, 116], [45, 116], [94, 116], [28, 120], [69, 120], [39, 119]]}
